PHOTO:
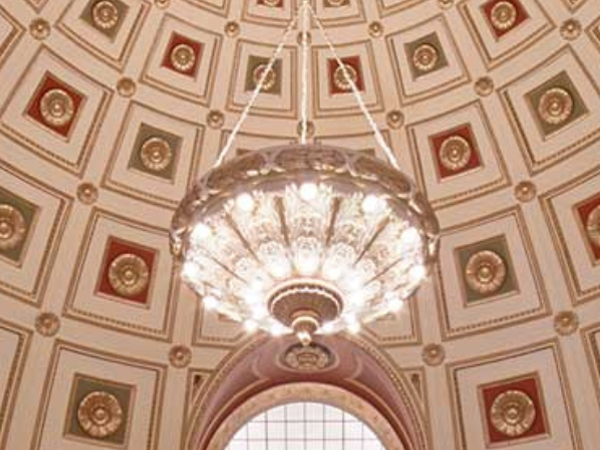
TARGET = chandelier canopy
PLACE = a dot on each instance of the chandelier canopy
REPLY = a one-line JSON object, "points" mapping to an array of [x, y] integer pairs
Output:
{"points": [[304, 238]]}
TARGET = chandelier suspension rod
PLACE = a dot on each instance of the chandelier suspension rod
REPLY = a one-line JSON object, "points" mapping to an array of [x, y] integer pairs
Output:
{"points": [[305, 55]]}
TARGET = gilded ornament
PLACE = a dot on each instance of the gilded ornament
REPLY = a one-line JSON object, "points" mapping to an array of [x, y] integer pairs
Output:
{"points": [[180, 356], [455, 153], [270, 79], [446, 4], [310, 129], [566, 323], [525, 191], [87, 193], [105, 15], [215, 119], [301, 35], [484, 86], [376, 29], [341, 78], [433, 354], [128, 274], [504, 15], [336, 3], [271, 3], [485, 272], [13, 227], [309, 358], [39, 29], [162, 3], [556, 106], [126, 87], [47, 324], [100, 414], [512, 413], [183, 57], [570, 29], [57, 107], [156, 154], [425, 57], [232, 29], [592, 226], [395, 119]]}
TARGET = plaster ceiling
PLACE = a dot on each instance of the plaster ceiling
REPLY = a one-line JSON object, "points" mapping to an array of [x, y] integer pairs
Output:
{"points": [[110, 109]]}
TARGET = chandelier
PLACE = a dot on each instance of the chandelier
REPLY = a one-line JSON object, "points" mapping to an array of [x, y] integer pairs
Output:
{"points": [[304, 238]]}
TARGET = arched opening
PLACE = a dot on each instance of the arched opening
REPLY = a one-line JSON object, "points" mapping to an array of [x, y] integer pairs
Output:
{"points": [[362, 378], [306, 416]]}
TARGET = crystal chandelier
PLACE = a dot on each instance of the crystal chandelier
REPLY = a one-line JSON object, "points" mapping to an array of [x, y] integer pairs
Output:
{"points": [[305, 239]]}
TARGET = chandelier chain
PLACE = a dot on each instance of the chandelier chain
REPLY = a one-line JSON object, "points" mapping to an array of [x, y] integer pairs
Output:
{"points": [[306, 10], [357, 95], [258, 89]]}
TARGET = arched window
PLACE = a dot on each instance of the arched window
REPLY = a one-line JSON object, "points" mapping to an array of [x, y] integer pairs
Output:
{"points": [[305, 426]]}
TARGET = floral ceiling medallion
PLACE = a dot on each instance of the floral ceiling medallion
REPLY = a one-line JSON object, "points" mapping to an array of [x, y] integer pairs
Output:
{"points": [[305, 239], [100, 414], [513, 413]]}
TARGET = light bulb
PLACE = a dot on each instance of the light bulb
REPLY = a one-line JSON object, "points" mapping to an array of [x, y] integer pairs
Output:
{"points": [[251, 326], [308, 191], [191, 271], [253, 297], [210, 302], [410, 236], [259, 312], [244, 202], [307, 263], [396, 305], [277, 329], [372, 204], [353, 325], [417, 273], [281, 269], [327, 328], [200, 233]]}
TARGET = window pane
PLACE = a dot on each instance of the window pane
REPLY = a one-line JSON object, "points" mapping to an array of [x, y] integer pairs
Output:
{"points": [[305, 426]]}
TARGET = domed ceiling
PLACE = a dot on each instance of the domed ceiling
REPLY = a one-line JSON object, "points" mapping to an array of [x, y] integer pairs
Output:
{"points": [[109, 109]]}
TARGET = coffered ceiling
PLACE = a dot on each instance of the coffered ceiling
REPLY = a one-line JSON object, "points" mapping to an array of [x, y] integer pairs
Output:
{"points": [[109, 109]]}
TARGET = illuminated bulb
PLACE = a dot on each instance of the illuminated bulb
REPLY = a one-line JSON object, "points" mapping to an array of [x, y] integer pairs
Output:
{"points": [[281, 269], [308, 191], [327, 328], [353, 326], [191, 271], [244, 202], [354, 281], [201, 232], [356, 298], [277, 330], [210, 302], [410, 236], [259, 312], [417, 273], [332, 272], [307, 264], [372, 204], [251, 326], [396, 305], [253, 297]]}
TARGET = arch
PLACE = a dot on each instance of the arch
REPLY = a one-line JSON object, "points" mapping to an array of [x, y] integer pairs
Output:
{"points": [[356, 367], [306, 392]]}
